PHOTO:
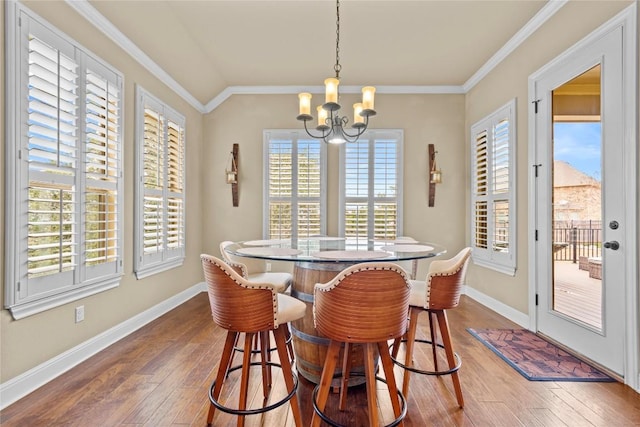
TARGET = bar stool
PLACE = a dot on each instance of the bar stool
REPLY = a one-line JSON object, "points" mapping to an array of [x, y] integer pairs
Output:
{"points": [[240, 306], [365, 304], [438, 293], [254, 270]]}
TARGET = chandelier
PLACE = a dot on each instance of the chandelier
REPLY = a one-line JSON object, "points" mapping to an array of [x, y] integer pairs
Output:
{"points": [[330, 124]]}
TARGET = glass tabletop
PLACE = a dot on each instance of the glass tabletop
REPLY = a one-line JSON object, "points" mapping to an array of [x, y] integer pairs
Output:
{"points": [[335, 249]]}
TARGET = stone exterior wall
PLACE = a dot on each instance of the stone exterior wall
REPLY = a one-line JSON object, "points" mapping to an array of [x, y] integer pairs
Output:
{"points": [[577, 203]]}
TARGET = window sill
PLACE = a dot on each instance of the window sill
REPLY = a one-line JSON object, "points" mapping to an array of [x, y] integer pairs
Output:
{"points": [[150, 270], [504, 269], [26, 309]]}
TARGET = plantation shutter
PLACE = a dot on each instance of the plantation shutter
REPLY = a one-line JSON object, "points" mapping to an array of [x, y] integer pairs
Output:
{"points": [[160, 211], [309, 217], [294, 186], [371, 170], [175, 172], [501, 185], [153, 214], [385, 190], [493, 175], [481, 189], [103, 171], [53, 156], [356, 171]]}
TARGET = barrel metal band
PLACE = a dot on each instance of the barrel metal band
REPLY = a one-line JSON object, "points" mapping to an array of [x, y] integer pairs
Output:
{"points": [[309, 338]]}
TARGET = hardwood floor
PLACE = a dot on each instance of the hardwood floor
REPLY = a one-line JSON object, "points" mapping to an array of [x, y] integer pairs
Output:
{"points": [[159, 375]]}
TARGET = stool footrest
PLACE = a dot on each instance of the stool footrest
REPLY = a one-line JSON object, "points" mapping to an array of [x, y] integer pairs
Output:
{"points": [[253, 351], [234, 411], [425, 372], [332, 423]]}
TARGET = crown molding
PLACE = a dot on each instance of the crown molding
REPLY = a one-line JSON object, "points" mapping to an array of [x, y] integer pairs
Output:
{"points": [[103, 24], [524, 33], [84, 8], [294, 90]]}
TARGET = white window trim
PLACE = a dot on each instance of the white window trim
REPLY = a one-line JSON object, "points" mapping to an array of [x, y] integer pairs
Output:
{"points": [[397, 134], [166, 259], [294, 135], [502, 263], [16, 20]]}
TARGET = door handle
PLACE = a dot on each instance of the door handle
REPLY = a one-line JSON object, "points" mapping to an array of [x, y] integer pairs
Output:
{"points": [[613, 245]]}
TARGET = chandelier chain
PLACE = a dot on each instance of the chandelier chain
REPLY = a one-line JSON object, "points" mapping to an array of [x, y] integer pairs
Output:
{"points": [[337, 67]]}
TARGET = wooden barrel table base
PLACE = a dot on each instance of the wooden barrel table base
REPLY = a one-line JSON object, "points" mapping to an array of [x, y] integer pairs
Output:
{"points": [[310, 347]]}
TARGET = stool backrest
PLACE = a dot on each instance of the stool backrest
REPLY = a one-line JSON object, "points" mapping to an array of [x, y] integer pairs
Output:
{"points": [[238, 267], [252, 265], [367, 302], [237, 304], [445, 280]]}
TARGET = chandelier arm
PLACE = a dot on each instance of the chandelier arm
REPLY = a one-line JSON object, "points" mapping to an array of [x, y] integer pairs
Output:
{"points": [[360, 130], [323, 136]]}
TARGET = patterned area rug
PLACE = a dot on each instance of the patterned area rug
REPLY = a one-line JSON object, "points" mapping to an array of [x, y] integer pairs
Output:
{"points": [[535, 358]]}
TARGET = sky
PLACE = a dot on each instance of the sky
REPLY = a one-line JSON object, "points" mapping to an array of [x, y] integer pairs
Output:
{"points": [[579, 145]]}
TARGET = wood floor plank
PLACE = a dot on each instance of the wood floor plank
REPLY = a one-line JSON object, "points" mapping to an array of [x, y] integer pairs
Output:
{"points": [[160, 375]]}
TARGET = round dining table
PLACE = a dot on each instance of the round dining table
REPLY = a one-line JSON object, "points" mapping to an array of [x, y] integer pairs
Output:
{"points": [[318, 260]]}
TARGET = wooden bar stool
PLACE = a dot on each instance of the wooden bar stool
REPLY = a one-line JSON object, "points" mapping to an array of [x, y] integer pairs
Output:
{"points": [[365, 304], [240, 306], [438, 293], [254, 270]]}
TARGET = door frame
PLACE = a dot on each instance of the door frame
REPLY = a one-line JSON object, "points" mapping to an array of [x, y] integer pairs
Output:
{"points": [[627, 20]]}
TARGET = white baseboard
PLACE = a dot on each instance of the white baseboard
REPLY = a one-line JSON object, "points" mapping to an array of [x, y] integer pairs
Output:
{"points": [[499, 307], [18, 387]]}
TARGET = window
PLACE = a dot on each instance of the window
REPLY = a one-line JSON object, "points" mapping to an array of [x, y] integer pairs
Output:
{"points": [[294, 192], [64, 168], [493, 226], [160, 176], [371, 187]]}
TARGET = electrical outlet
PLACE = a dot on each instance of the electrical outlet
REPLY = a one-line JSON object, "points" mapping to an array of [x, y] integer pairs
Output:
{"points": [[268, 266], [79, 313]]}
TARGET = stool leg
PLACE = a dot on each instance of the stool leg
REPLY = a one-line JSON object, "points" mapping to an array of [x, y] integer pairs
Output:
{"points": [[448, 346], [330, 362], [280, 336], [266, 369], [287, 333], [223, 367], [411, 340], [434, 344], [370, 375], [346, 370], [244, 382], [387, 366], [396, 345]]}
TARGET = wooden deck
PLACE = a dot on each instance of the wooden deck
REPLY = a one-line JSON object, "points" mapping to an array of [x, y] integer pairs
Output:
{"points": [[159, 375], [576, 294]]}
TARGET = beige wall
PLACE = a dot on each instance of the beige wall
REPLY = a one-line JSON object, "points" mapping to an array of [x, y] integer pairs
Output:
{"points": [[510, 80], [28, 342], [425, 119]]}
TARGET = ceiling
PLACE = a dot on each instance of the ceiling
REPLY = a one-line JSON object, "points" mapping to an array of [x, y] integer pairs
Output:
{"points": [[207, 46]]}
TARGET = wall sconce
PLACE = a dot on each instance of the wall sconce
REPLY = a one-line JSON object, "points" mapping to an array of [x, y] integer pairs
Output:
{"points": [[435, 175], [231, 173]]}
